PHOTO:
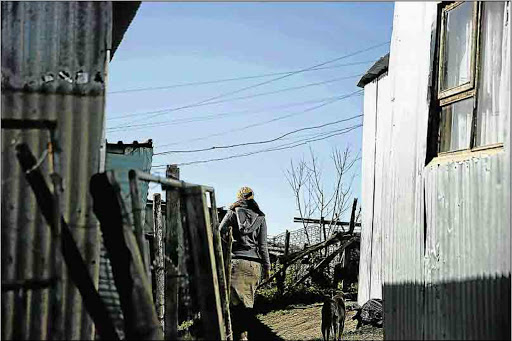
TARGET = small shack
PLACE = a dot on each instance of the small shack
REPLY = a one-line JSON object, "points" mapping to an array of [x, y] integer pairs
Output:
{"points": [[436, 173]]}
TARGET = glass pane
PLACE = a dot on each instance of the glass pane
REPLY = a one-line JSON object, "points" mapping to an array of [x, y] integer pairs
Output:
{"points": [[457, 46], [455, 127], [491, 111]]}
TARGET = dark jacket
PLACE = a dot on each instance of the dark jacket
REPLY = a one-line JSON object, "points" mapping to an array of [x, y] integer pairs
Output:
{"points": [[249, 232]]}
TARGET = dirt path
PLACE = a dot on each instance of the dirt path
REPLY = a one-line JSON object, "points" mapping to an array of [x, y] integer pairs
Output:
{"points": [[303, 323]]}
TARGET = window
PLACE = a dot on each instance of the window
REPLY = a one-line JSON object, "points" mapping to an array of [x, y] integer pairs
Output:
{"points": [[471, 74]]}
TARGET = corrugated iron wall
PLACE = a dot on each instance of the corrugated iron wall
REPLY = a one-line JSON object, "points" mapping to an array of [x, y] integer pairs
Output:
{"points": [[120, 158], [402, 186], [54, 58], [446, 226]]}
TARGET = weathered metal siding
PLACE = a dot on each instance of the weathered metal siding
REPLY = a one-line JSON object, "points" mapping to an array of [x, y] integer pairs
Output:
{"points": [[367, 194], [375, 128], [41, 40], [121, 159], [446, 226], [402, 219], [131, 157]]}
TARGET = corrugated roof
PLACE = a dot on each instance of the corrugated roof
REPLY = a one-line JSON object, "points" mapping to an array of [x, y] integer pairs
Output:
{"points": [[375, 71]]}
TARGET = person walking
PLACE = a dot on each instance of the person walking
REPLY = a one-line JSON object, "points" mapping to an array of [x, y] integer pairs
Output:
{"points": [[250, 261]]}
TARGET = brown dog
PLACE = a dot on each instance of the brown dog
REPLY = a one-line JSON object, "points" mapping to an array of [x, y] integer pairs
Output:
{"points": [[333, 317]]}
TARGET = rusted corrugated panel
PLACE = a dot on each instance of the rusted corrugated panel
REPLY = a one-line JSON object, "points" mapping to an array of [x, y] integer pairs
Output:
{"points": [[53, 67]]}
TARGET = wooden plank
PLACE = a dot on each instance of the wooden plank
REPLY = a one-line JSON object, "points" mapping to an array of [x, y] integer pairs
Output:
{"points": [[140, 320], [294, 257], [282, 276], [287, 243], [353, 217], [159, 265], [219, 261], [327, 260], [205, 268], [57, 310], [75, 264], [173, 240], [137, 217]]}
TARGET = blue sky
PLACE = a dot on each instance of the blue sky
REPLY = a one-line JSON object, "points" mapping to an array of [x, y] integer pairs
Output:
{"points": [[171, 43]]}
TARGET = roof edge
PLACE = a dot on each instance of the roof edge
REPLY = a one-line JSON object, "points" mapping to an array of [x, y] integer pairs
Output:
{"points": [[377, 69]]}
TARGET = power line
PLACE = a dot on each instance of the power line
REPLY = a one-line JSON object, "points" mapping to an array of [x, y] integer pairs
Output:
{"points": [[258, 84], [257, 142], [221, 115], [258, 95], [276, 148], [223, 80], [327, 102], [344, 131]]}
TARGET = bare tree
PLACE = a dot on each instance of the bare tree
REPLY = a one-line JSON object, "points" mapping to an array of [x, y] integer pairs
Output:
{"points": [[314, 196]]}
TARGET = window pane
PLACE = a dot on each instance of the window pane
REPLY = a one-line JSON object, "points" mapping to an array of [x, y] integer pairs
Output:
{"points": [[491, 109], [455, 127], [457, 46]]}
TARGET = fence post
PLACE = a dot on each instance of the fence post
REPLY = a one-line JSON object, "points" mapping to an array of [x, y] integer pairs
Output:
{"points": [[174, 246], [219, 262], [281, 278], [158, 246], [137, 217], [353, 217]]}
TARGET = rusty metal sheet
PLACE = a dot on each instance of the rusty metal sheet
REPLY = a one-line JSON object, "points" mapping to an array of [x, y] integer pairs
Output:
{"points": [[54, 58]]}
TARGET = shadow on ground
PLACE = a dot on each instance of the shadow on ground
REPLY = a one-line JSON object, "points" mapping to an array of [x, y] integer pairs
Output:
{"points": [[260, 331]]}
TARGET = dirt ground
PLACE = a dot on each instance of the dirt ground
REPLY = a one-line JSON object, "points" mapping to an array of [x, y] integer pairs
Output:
{"points": [[303, 323]]}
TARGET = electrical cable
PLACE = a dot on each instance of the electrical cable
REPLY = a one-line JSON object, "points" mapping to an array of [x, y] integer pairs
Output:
{"points": [[209, 117], [257, 142], [223, 80], [121, 127], [339, 98], [345, 130], [256, 85]]}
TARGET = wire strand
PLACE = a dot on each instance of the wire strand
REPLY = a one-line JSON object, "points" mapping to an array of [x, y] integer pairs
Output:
{"points": [[209, 117], [335, 99], [257, 142], [223, 80], [256, 95], [345, 130], [258, 84]]}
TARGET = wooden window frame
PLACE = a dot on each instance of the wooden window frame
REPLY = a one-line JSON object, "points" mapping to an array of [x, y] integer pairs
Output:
{"points": [[434, 155], [464, 91], [450, 95]]}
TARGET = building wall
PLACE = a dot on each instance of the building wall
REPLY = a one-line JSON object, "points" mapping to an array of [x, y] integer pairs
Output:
{"points": [[446, 225], [120, 159], [375, 128], [54, 57]]}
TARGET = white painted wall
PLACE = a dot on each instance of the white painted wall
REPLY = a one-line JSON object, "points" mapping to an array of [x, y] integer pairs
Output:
{"points": [[444, 228], [375, 128]]}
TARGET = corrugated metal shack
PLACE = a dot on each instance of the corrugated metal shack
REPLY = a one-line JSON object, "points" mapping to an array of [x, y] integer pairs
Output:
{"points": [[121, 158], [436, 174], [54, 67]]}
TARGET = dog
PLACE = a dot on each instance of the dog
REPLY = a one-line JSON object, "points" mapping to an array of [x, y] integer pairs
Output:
{"points": [[333, 317]]}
